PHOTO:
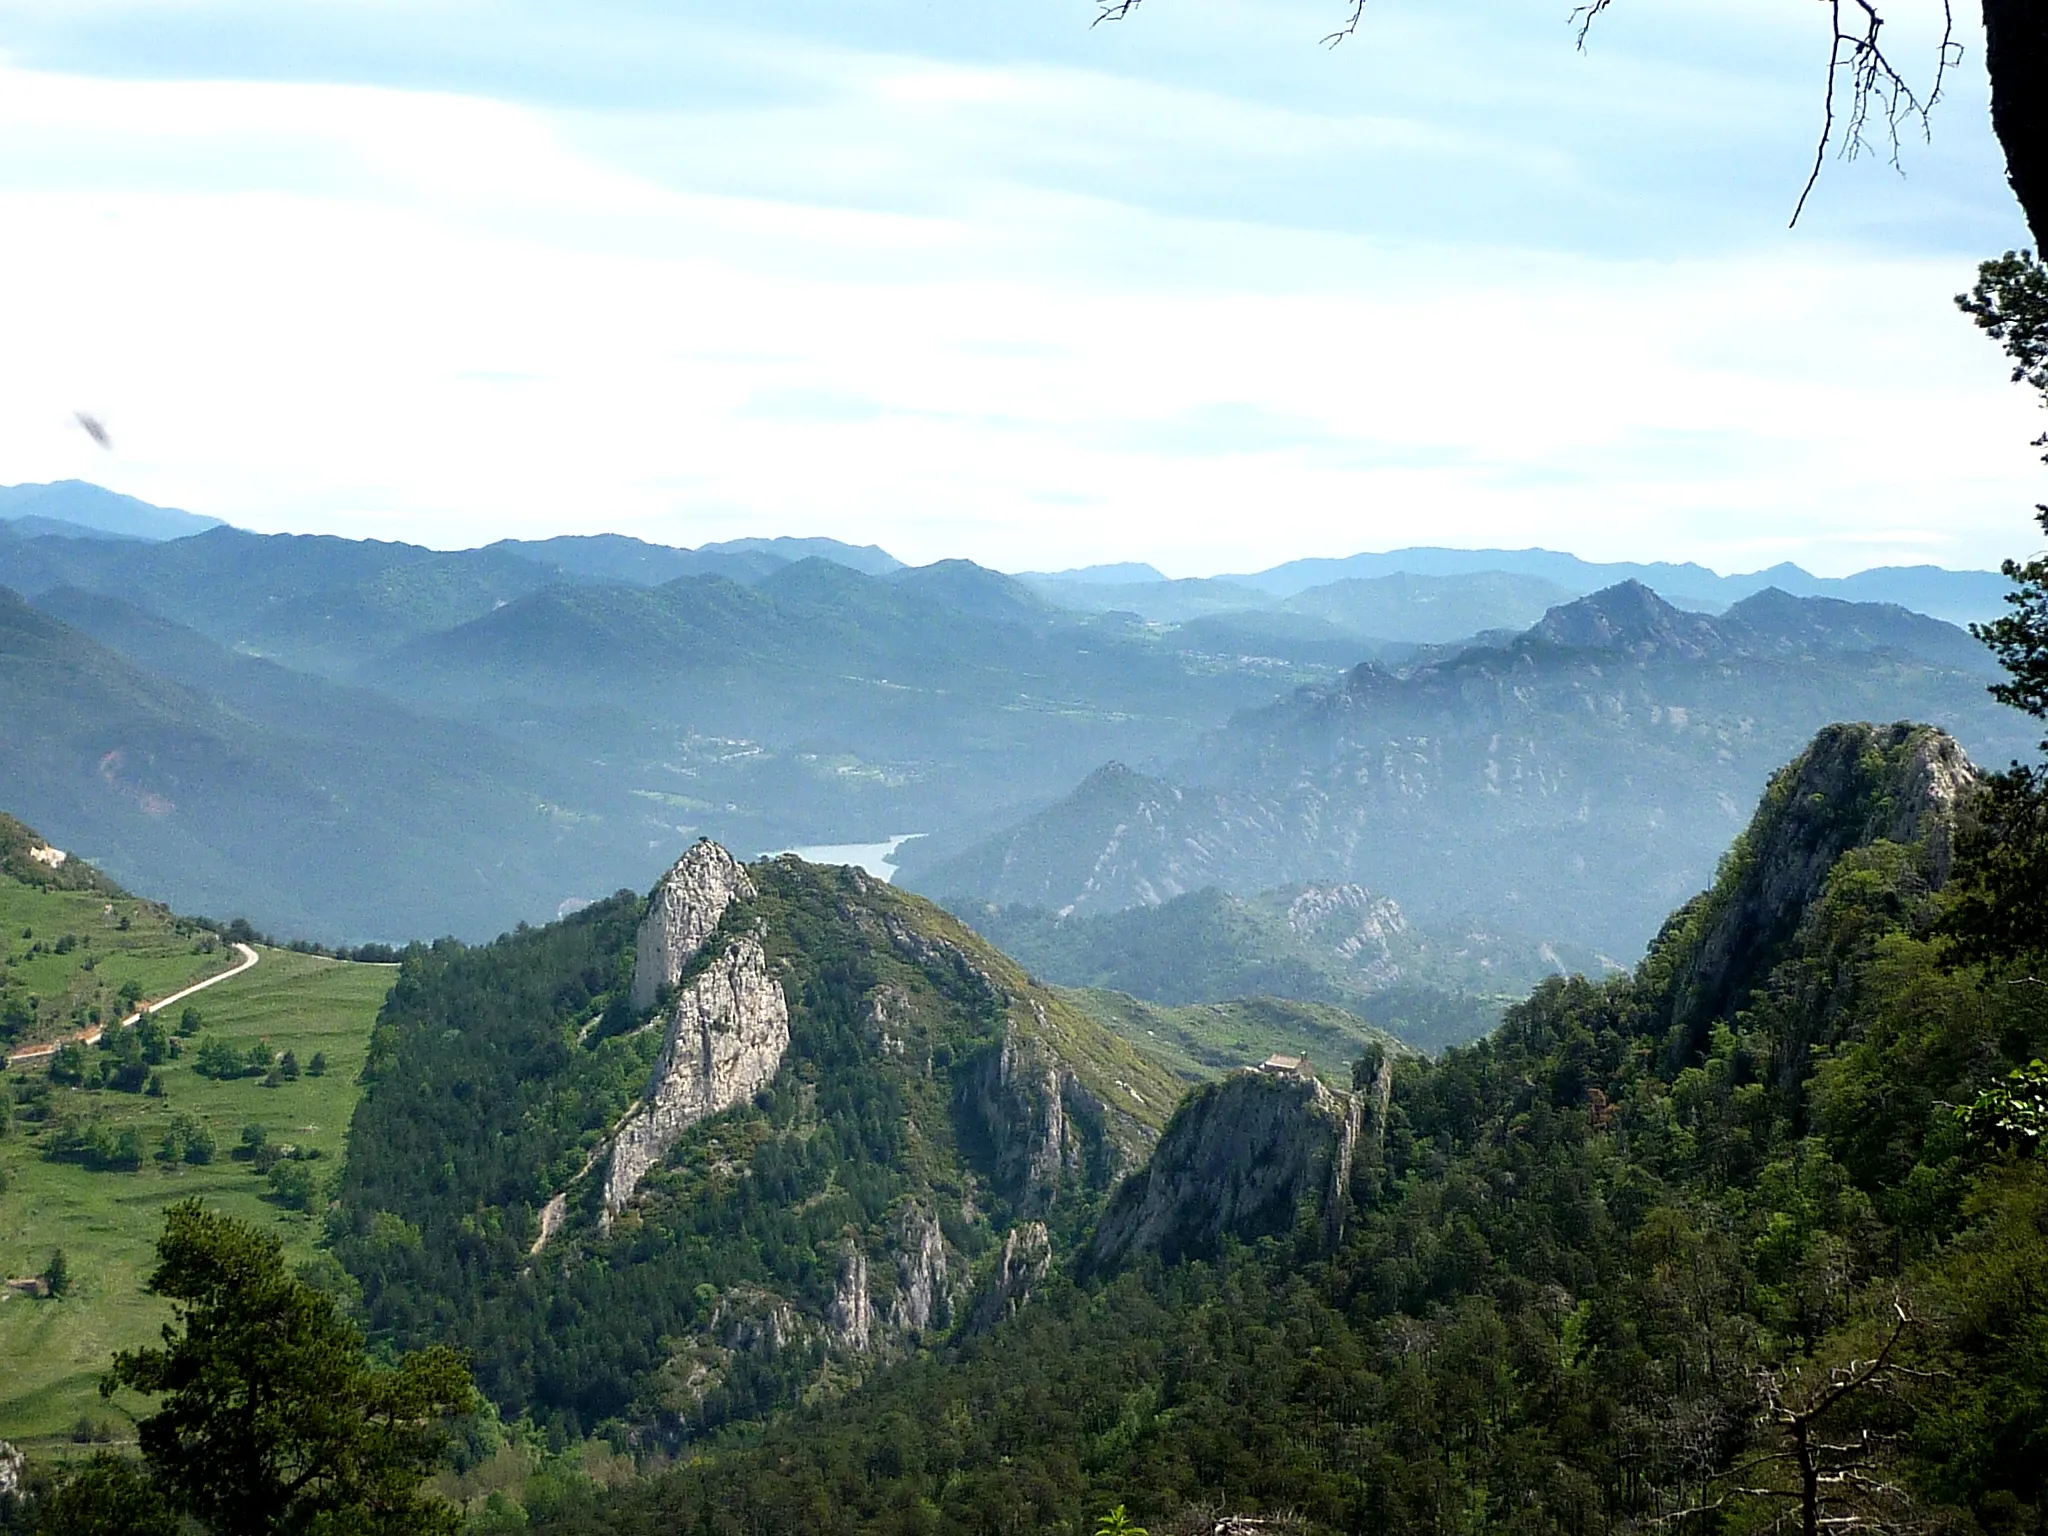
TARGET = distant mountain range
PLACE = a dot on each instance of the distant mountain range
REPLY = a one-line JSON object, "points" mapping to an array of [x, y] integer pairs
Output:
{"points": [[1337, 944], [77, 509], [1573, 782], [1386, 596], [424, 707], [483, 735]]}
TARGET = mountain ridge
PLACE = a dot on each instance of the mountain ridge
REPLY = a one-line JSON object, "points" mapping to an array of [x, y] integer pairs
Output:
{"points": [[1604, 753]]}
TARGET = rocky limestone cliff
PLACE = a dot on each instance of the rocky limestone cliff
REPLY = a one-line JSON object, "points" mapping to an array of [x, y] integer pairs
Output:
{"points": [[727, 1029], [851, 1314], [1044, 1126], [922, 1298], [727, 1032], [1855, 785], [1026, 1259], [683, 912], [1248, 1157]]}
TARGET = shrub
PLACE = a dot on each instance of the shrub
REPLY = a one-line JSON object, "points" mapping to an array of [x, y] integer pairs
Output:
{"points": [[291, 1183], [68, 1065], [224, 1060]]}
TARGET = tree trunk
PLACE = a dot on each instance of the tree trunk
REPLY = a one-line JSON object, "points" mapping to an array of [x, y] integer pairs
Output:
{"points": [[2016, 53]]}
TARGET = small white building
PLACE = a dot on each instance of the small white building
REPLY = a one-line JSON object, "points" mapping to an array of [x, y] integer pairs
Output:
{"points": [[1284, 1066]]}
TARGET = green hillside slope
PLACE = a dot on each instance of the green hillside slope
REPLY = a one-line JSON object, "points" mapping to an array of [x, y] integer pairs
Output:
{"points": [[933, 1104], [1201, 1040], [95, 1143], [1674, 1252]]}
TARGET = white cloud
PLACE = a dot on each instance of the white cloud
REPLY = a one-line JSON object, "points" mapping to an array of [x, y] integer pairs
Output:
{"points": [[449, 318]]}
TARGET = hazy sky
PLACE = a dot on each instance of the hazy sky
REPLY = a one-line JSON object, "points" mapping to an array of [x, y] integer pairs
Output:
{"points": [[979, 279]]}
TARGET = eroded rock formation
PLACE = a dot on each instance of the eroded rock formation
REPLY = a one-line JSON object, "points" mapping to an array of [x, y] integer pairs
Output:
{"points": [[851, 1316], [726, 1030], [683, 912], [921, 1297], [1026, 1260], [1254, 1155]]}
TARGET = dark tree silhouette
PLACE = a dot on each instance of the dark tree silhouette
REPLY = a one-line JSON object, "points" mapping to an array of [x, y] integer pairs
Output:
{"points": [[1869, 96]]}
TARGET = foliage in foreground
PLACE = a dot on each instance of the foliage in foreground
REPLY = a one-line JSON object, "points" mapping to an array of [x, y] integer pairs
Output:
{"points": [[273, 1420]]}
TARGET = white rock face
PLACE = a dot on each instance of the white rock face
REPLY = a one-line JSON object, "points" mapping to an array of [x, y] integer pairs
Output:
{"points": [[13, 1468], [920, 1271], [727, 1034], [850, 1316], [1026, 1260], [684, 912]]}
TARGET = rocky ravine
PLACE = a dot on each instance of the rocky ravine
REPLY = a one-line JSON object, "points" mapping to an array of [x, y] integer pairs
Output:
{"points": [[727, 1028]]}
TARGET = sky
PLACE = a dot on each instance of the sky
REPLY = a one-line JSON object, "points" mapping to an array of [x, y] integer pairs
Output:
{"points": [[986, 280]]}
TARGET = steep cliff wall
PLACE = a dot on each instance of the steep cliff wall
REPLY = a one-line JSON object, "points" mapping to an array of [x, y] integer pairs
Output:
{"points": [[682, 913], [1248, 1157], [1854, 785], [727, 1033], [727, 1029]]}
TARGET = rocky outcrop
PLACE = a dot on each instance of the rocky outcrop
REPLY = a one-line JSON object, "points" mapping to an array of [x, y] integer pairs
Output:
{"points": [[726, 1029], [1026, 1259], [1361, 927], [727, 1032], [1855, 785], [683, 912], [13, 1469], [1260, 1153], [921, 1296], [1044, 1126], [850, 1317]]}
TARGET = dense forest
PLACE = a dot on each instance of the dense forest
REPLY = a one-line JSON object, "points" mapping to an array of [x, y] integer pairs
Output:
{"points": [[497, 1073], [1716, 1245]]}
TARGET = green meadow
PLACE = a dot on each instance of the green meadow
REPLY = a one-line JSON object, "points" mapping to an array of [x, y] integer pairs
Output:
{"points": [[67, 955], [106, 1221]]}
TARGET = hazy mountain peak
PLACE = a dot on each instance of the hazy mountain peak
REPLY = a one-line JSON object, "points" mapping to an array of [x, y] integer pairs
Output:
{"points": [[972, 588], [868, 559], [92, 506], [1627, 616], [1116, 574]]}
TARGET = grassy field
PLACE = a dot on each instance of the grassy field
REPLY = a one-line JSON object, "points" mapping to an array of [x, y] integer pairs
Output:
{"points": [[1205, 1040], [106, 1222], [66, 955]]}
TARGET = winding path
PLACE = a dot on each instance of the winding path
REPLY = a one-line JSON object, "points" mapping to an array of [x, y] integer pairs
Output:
{"points": [[92, 1036]]}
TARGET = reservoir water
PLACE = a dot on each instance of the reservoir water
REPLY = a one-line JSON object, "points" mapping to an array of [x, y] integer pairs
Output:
{"points": [[877, 859]]}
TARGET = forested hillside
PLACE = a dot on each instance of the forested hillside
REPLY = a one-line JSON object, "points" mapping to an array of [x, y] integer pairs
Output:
{"points": [[1707, 1246], [936, 1128]]}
